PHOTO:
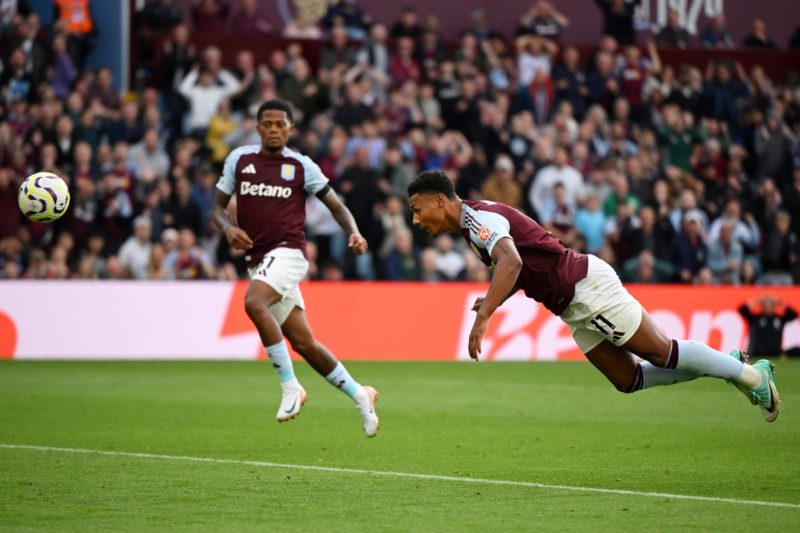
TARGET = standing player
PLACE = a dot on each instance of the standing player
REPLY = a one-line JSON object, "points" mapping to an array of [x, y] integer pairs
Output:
{"points": [[271, 182], [607, 323]]}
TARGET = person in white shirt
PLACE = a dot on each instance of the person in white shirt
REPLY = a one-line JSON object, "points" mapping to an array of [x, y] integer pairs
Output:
{"points": [[559, 172], [135, 253], [204, 92]]}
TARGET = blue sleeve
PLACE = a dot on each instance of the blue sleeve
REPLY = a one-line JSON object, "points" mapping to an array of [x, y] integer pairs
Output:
{"points": [[227, 181], [315, 180]]}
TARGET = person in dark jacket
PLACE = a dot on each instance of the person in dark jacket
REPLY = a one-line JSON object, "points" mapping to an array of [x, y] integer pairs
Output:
{"points": [[767, 316], [618, 19]]}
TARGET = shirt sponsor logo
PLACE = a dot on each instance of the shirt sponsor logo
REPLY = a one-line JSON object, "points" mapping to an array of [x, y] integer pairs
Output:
{"points": [[262, 189], [483, 234], [287, 172]]}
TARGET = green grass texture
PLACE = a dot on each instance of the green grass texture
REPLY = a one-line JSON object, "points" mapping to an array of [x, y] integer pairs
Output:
{"points": [[559, 428]]}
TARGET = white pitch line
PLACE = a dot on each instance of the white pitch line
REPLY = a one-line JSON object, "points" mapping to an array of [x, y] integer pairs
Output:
{"points": [[432, 477]]}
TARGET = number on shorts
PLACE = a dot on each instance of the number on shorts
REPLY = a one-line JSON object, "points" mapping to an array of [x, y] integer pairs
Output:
{"points": [[596, 323], [263, 270]]}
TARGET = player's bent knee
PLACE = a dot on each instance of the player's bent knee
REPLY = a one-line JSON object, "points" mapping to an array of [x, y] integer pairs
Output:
{"points": [[255, 307], [624, 389]]}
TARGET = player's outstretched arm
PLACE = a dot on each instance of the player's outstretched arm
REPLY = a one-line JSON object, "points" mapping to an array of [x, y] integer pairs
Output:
{"points": [[345, 219], [506, 271], [236, 236]]}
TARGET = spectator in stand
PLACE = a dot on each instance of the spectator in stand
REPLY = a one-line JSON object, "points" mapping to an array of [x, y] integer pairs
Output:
{"points": [[337, 53], [654, 234], [725, 256], [780, 258], [759, 37], [249, 93], [19, 82], [407, 25], [74, 17], [673, 35], [33, 47], [450, 264], [221, 124], [544, 20], [402, 262], [689, 251], [773, 145], [361, 188], [767, 317], [559, 172], [431, 52], [716, 34], [148, 159], [301, 28], [618, 19], [182, 211], [210, 16], [134, 255], [103, 90], [249, 21], [745, 230], [188, 261], [349, 15], [590, 223], [305, 92], [204, 95], [501, 186], [569, 81], [558, 217], [645, 268], [374, 52], [601, 84], [403, 66], [64, 71]]}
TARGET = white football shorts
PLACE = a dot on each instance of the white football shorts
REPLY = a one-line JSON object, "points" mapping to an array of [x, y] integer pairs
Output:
{"points": [[282, 269], [602, 308]]}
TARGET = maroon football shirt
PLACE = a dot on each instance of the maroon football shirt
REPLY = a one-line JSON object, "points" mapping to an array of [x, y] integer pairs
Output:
{"points": [[549, 269], [271, 196]]}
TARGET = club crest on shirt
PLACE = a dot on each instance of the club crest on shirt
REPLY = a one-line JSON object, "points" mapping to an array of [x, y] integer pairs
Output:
{"points": [[483, 234], [287, 172]]}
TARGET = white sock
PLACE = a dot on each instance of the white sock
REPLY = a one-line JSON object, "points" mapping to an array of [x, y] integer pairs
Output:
{"points": [[279, 357], [341, 379], [702, 360]]}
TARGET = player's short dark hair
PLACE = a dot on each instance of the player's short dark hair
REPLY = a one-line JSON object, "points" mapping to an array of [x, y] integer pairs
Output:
{"points": [[277, 105], [432, 181]]}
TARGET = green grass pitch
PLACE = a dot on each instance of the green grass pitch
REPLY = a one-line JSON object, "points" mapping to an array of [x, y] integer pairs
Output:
{"points": [[556, 424]]}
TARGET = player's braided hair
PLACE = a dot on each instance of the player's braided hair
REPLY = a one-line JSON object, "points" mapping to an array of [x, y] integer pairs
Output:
{"points": [[432, 181]]}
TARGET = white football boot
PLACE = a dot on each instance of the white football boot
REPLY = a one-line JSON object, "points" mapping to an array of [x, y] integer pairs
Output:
{"points": [[365, 403], [293, 399]]}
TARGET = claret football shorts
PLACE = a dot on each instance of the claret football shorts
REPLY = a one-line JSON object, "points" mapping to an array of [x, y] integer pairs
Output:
{"points": [[602, 308], [282, 269]]}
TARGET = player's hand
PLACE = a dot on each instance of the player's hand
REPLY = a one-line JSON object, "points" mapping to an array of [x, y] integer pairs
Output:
{"points": [[357, 243], [478, 302], [476, 336], [238, 238]]}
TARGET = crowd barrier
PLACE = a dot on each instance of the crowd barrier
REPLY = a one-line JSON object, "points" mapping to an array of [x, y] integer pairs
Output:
{"points": [[366, 321]]}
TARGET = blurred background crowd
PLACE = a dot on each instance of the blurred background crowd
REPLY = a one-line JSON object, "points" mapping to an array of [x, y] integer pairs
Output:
{"points": [[669, 172]]}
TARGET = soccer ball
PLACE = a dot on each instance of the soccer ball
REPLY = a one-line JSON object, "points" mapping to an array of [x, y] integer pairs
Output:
{"points": [[43, 197]]}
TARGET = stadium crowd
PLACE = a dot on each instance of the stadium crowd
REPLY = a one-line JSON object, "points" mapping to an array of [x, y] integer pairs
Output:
{"points": [[668, 172]]}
